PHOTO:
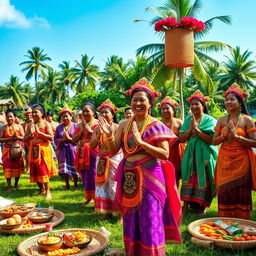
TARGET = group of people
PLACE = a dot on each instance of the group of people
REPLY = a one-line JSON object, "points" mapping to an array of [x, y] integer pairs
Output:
{"points": [[134, 168]]}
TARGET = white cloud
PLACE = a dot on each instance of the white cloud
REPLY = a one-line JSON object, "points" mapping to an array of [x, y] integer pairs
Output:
{"points": [[12, 18]]}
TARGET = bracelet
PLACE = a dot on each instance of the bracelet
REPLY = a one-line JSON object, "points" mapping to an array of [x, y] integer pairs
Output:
{"points": [[110, 138]]}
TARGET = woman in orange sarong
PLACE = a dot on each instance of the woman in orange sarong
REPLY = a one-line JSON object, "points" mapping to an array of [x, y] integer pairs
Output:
{"points": [[168, 112], [39, 135], [235, 175], [11, 134], [85, 160]]}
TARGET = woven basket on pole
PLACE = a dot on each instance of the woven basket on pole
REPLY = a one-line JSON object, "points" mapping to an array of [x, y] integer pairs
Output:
{"points": [[179, 48]]}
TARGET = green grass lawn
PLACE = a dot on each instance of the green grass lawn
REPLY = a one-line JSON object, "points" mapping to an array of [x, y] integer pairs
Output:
{"points": [[69, 202]]}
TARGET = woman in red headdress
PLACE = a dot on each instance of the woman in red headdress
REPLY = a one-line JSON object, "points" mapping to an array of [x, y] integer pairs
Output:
{"points": [[146, 188], [200, 155], [235, 174], [168, 112], [107, 163]]}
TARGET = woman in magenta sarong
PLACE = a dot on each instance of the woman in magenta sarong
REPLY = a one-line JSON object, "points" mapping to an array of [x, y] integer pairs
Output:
{"points": [[85, 162], [146, 186], [66, 148]]}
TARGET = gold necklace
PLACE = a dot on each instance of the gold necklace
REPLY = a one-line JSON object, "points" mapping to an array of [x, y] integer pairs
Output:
{"points": [[134, 147]]}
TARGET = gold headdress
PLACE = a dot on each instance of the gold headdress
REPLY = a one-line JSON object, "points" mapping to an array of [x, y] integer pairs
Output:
{"points": [[108, 104], [168, 100], [198, 95], [234, 88]]}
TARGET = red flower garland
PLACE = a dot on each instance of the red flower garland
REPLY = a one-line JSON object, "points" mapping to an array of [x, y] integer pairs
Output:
{"points": [[185, 22]]}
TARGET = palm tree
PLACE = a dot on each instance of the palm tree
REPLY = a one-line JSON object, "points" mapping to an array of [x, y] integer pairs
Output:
{"points": [[120, 76], [14, 89], [179, 9], [35, 65], [86, 74], [52, 89], [67, 76], [110, 76], [29, 92], [239, 69]]}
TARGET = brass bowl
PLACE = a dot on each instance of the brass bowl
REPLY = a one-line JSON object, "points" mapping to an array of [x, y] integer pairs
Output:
{"points": [[79, 245], [49, 246], [40, 219], [3, 225]]}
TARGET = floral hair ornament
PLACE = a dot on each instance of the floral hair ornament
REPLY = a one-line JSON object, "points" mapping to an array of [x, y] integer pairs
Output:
{"points": [[144, 84], [66, 109], [29, 111], [234, 88], [108, 104], [198, 95], [168, 100]]}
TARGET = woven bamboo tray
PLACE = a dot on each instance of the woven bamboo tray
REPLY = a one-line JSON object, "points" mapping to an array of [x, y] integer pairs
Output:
{"points": [[194, 230], [99, 243], [56, 220]]}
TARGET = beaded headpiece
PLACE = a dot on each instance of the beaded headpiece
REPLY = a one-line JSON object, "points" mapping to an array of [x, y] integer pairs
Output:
{"points": [[144, 84], [198, 95], [29, 111], [237, 90], [108, 104], [168, 100], [66, 109]]}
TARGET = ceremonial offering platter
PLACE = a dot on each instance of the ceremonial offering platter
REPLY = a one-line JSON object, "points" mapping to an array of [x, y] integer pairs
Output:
{"points": [[35, 221], [231, 233], [20, 209], [93, 242]]}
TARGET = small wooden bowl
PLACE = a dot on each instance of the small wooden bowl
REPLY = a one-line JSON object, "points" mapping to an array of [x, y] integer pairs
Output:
{"points": [[49, 247]]}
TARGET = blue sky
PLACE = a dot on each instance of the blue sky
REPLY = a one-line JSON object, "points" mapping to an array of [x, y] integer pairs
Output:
{"points": [[66, 29]]}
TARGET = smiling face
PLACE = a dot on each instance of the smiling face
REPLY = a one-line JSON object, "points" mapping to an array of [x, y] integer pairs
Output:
{"points": [[140, 103], [107, 114], [87, 113], [10, 118], [128, 113], [66, 118], [196, 107], [231, 103], [29, 118], [167, 111], [37, 115]]}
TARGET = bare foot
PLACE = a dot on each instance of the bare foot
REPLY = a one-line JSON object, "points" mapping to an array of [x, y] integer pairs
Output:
{"points": [[87, 202], [106, 216], [48, 196], [17, 187], [9, 190], [66, 188], [202, 212], [41, 192]]}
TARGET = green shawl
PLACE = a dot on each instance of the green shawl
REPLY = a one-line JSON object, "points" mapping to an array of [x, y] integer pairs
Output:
{"points": [[204, 153]]}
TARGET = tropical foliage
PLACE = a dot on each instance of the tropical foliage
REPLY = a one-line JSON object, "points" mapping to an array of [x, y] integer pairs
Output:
{"points": [[73, 84]]}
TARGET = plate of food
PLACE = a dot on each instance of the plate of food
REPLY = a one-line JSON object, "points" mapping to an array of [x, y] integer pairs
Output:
{"points": [[76, 239], [20, 209], [98, 242], [224, 232], [29, 226], [40, 217], [11, 223]]}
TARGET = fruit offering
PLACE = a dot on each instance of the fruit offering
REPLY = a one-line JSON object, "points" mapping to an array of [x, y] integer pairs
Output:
{"points": [[217, 231], [16, 208], [76, 237], [64, 252]]}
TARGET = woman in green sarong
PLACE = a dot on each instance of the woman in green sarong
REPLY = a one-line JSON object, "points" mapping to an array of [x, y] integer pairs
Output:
{"points": [[200, 156]]}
